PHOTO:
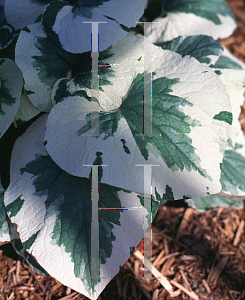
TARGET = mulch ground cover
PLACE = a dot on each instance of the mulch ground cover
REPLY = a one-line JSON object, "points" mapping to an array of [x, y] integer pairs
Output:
{"points": [[194, 255], [202, 255]]}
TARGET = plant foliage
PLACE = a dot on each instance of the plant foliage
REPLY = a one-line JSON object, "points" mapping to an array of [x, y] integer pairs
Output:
{"points": [[175, 81]]}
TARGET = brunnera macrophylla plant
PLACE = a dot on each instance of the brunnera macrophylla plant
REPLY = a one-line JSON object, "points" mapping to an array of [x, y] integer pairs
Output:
{"points": [[45, 73]]}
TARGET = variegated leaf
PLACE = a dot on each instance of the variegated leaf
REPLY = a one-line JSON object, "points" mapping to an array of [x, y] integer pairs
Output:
{"points": [[190, 112], [191, 17], [233, 165], [26, 110], [52, 210], [20, 13], [8, 233], [229, 61], [40, 64], [65, 23], [214, 201], [11, 83], [200, 47], [204, 48], [4, 226]]}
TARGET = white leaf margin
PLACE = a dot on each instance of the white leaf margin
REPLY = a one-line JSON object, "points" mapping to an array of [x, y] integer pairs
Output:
{"points": [[126, 59], [214, 201], [26, 110], [201, 86], [25, 50], [228, 54], [234, 81], [54, 259], [185, 24], [20, 13], [80, 39]]}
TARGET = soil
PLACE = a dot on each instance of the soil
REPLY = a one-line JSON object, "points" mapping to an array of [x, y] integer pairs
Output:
{"points": [[198, 255]]}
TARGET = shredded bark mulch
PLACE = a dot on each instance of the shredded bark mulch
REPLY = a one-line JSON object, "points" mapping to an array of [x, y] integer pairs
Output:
{"points": [[236, 42], [200, 255], [194, 255]]}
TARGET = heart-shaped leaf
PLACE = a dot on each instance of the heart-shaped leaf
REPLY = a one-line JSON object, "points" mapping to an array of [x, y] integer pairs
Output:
{"points": [[52, 210], [233, 165], [190, 127], [64, 23], [206, 50], [191, 17]]}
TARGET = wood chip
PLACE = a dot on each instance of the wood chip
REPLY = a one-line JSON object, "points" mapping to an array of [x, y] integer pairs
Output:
{"points": [[187, 257], [239, 14], [229, 229], [239, 233], [69, 297], [18, 267], [228, 41], [216, 271], [11, 297], [14, 278], [224, 231], [204, 282], [56, 287], [134, 291], [125, 287], [31, 288], [192, 294], [239, 49], [119, 286], [162, 279], [136, 268], [163, 259], [12, 269], [185, 280], [167, 265], [185, 221], [242, 248], [156, 261], [155, 294], [68, 290], [165, 243], [227, 252]]}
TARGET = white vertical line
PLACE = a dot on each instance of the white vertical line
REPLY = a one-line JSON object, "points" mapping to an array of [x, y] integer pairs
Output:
{"points": [[95, 267], [95, 77], [147, 204]]}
